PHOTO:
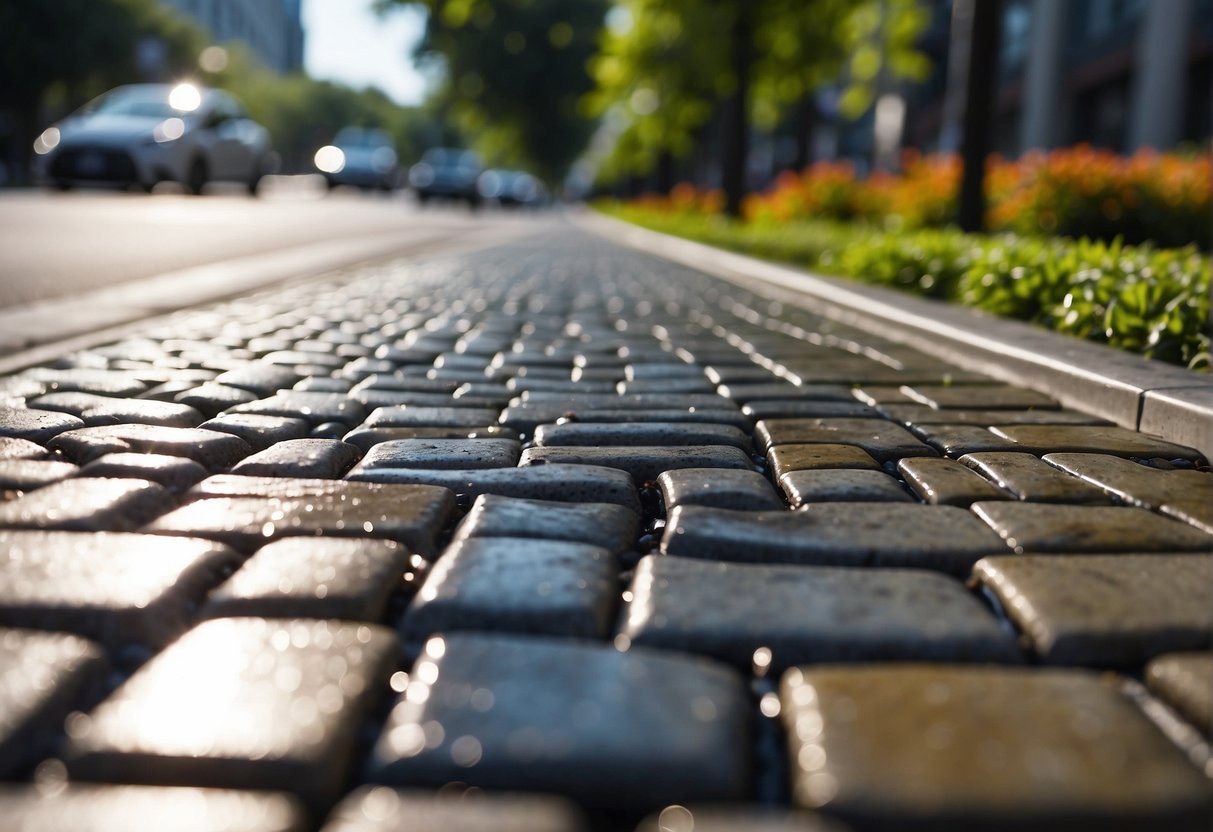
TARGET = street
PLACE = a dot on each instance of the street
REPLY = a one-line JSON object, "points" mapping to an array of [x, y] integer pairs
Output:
{"points": [[55, 245]]}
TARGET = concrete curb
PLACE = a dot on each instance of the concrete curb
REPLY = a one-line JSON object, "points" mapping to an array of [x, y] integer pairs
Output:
{"points": [[40, 332], [1149, 396]]}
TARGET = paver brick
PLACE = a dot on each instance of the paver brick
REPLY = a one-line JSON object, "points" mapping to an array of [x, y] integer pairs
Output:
{"points": [[413, 517], [108, 410], [946, 482], [1094, 439], [18, 475], [575, 434], [750, 818], [404, 416], [809, 409], [260, 378], [643, 463], [955, 441], [175, 473], [785, 458], [556, 481], [442, 454], [242, 703], [14, 448], [921, 414], [35, 425], [1114, 610], [802, 614], [1185, 682], [841, 485], [115, 588], [87, 505], [300, 458], [44, 677], [213, 450], [122, 808], [518, 585], [771, 388], [1033, 480], [305, 577], [944, 538], [1068, 529], [978, 396], [883, 440], [260, 432], [609, 525], [314, 408], [366, 438], [950, 748], [628, 731], [85, 380], [718, 488], [211, 399], [381, 809]]}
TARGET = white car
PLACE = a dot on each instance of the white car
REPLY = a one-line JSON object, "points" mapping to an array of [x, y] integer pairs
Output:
{"points": [[142, 134]]}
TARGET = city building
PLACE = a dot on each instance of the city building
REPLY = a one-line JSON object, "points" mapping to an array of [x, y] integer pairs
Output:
{"points": [[272, 29]]}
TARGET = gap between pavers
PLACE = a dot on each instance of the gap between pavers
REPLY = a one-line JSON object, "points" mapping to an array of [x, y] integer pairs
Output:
{"points": [[1132, 391]]}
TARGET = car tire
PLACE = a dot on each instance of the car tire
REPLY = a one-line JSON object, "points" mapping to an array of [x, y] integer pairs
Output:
{"points": [[61, 185], [197, 177], [254, 184]]}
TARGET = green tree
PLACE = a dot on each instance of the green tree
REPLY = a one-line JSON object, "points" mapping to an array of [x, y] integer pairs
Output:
{"points": [[515, 71]]}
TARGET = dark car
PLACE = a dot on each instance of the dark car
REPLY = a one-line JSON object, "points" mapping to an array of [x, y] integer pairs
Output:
{"points": [[511, 188], [447, 172], [362, 157]]}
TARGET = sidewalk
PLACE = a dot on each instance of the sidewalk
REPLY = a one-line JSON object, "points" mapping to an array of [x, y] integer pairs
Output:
{"points": [[555, 534]]}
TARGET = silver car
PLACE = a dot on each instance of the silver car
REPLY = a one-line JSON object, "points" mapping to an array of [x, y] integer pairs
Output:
{"points": [[142, 134]]}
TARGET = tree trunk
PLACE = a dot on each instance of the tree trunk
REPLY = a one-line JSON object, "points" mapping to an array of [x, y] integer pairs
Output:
{"points": [[805, 117], [735, 140], [980, 95], [665, 172]]}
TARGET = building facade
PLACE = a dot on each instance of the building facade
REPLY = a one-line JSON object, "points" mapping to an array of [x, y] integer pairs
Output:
{"points": [[272, 29]]}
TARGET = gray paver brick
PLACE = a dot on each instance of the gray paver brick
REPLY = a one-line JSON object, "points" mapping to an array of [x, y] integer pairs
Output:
{"points": [[35, 425], [643, 463], [307, 577], [947, 482], [442, 454], [841, 485], [213, 450], [366, 438], [921, 414], [639, 433], [1185, 682], [413, 517], [516, 585], [314, 408], [557, 481], [85, 380], [951, 748], [45, 676], [260, 378], [381, 809], [1068, 529], [633, 730], [882, 439], [175, 473], [1031, 479], [114, 588], [978, 396], [718, 488], [300, 458], [1105, 610], [804, 614], [14, 448], [609, 525], [405, 416], [108, 410], [260, 432], [809, 409], [211, 399], [944, 538], [213, 709], [121, 808], [87, 505], [28, 474]]}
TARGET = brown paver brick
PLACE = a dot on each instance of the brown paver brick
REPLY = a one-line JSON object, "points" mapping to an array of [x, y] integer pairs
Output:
{"points": [[978, 396], [1068, 529], [1185, 682], [1185, 495], [381, 809], [949, 748], [841, 485], [785, 458], [1031, 479], [946, 482], [1088, 439], [882, 439], [1105, 610]]}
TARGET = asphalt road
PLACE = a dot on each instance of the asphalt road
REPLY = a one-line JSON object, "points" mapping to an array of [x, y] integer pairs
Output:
{"points": [[55, 245]]}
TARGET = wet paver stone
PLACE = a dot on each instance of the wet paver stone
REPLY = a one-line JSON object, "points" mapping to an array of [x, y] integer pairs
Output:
{"points": [[535, 489]]}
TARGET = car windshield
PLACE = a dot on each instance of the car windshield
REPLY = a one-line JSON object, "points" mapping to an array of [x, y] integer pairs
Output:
{"points": [[358, 137], [152, 103], [441, 157]]}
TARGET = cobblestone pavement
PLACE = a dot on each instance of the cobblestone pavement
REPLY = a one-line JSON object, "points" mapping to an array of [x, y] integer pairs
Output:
{"points": [[558, 536]]}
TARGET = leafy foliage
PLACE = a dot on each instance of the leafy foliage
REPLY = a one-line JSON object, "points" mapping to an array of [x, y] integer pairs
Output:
{"points": [[1150, 301]]}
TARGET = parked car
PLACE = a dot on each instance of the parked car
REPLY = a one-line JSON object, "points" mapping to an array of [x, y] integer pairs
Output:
{"points": [[510, 188], [362, 157], [447, 172], [142, 134]]}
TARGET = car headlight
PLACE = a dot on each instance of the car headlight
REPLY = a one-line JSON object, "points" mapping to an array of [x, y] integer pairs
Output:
{"points": [[168, 130], [421, 175], [47, 141], [329, 159]]}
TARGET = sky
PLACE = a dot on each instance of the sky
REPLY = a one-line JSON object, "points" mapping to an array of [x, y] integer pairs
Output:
{"points": [[345, 41]]}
